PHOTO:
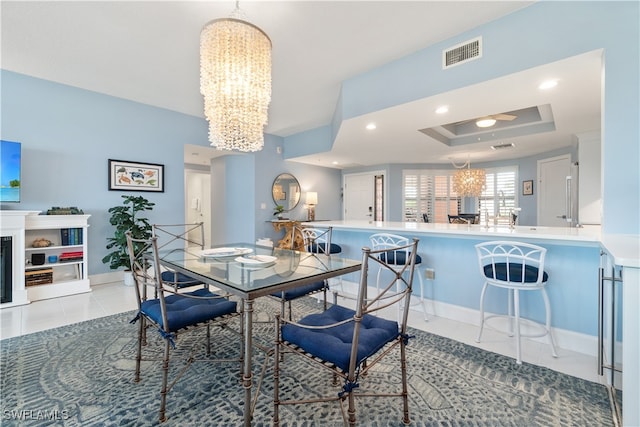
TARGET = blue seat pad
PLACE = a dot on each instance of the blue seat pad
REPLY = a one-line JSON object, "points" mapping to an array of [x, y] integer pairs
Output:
{"points": [[319, 248], [397, 257], [515, 272], [291, 294], [183, 311], [334, 344], [182, 280]]}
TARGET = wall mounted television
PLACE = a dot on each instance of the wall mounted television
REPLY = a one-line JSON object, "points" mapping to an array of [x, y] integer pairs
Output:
{"points": [[10, 170]]}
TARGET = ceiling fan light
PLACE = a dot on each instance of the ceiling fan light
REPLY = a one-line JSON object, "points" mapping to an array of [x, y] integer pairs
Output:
{"points": [[485, 123]]}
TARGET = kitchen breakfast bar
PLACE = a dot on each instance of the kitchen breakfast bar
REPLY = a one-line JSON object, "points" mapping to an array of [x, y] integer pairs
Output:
{"points": [[574, 261]]}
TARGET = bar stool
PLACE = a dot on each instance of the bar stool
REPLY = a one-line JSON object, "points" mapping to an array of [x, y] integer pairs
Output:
{"points": [[397, 258], [515, 266]]}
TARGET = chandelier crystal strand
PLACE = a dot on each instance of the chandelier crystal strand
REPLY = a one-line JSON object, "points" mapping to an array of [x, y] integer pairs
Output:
{"points": [[235, 81], [469, 182]]}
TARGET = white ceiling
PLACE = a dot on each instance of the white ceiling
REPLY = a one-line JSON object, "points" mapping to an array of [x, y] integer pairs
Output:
{"points": [[148, 52]]}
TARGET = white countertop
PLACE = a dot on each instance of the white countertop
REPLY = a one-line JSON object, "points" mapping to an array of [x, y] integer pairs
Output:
{"points": [[625, 249], [584, 234]]}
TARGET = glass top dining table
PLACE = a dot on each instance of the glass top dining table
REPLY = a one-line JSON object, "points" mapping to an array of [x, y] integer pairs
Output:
{"points": [[250, 271]]}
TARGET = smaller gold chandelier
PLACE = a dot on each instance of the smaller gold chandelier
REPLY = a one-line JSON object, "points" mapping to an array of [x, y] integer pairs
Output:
{"points": [[235, 81], [468, 182]]}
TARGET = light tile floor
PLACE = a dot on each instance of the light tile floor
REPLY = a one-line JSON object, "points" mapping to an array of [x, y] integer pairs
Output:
{"points": [[113, 298]]}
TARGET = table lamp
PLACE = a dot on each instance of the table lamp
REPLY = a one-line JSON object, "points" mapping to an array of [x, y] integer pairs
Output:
{"points": [[311, 201]]}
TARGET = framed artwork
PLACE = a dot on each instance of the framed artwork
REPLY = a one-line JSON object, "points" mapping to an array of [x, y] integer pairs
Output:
{"points": [[527, 188], [135, 176]]}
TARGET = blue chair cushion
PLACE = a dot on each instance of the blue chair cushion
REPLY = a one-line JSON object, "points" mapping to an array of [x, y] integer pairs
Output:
{"points": [[180, 279], [319, 248], [334, 344], [183, 311], [515, 272], [397, 257], [299, 291]]}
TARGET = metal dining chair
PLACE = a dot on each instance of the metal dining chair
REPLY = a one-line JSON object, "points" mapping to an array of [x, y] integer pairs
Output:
{"points": [[350, 343], [319, 240], [316, 241], [172, 313], [394, 252], [179, 236]]}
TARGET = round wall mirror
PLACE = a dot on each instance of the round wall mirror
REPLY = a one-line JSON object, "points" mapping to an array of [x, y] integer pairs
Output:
{"points": [[286, 191]]}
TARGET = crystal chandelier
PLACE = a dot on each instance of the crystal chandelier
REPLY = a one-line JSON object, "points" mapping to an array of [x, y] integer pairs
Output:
{"points": [[235, 81], [468, 182]]}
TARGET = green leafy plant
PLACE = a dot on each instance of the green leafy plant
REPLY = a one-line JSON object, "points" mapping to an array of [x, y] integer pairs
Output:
{"points": [[278, 210], [126, 218]]}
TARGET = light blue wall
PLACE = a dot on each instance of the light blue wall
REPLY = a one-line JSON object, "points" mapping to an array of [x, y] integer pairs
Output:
{"points": [[67, 136], [269, 164], [539, 34]]}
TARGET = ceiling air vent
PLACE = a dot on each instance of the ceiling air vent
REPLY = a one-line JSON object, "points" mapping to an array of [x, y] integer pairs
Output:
{"points": [[503, 146], [461, 53]]}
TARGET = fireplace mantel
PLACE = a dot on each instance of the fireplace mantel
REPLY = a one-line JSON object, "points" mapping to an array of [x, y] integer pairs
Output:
{"points": [[12, 224]]}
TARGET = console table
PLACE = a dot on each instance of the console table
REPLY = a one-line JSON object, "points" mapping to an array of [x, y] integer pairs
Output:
{"points": [[288, 225]]}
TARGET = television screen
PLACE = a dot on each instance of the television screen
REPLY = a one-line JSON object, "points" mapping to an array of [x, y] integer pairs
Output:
{"points": [[10, 162]]}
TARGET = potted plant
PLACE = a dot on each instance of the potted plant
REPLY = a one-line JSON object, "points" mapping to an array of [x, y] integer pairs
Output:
{"points": [[278, 210], [127, 218]]}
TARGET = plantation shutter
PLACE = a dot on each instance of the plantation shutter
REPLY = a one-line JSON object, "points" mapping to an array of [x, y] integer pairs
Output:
{"points": [[431, 192], [499, 196], [410, 208]]}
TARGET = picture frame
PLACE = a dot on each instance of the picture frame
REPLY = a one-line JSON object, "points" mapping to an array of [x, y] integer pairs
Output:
{"points": [[527, 187], [126, 175]]}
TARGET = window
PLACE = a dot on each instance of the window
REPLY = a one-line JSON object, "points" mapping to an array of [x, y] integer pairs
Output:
{"points": [[499, 195], [431, 192]]}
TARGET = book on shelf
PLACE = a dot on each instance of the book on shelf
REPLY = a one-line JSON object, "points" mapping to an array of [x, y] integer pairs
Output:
{"points": [[71, 256], [70, 236], [64, 236], [38, 277]]}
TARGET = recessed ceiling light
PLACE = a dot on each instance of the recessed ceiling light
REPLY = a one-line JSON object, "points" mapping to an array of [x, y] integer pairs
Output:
{"points": [[443, 109], [371, 126], [335, 163], [548, 84], [485, 123]]}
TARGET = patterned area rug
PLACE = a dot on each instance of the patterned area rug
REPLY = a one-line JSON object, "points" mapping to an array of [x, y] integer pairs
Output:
{"points": [[82, 375]]}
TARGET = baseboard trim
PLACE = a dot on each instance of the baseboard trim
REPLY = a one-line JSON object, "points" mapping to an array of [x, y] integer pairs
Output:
{"points": [[104, 278]]}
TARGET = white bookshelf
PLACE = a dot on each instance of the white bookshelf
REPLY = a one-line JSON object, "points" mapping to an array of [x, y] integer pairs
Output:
{"points": [[67, 277]]}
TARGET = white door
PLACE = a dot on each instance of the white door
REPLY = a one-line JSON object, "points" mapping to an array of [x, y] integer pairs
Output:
{"points": [[198, 201], [359, 196], [552, 185]]}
